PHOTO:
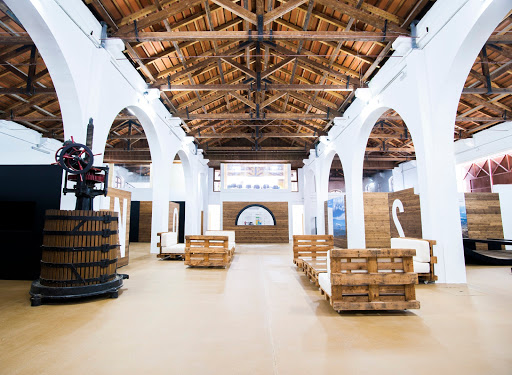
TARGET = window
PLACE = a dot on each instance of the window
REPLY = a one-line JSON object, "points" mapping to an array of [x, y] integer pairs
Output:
{"points": [[216, 179], [255, 214], [295, 180], [118, 184], [256, 176]]}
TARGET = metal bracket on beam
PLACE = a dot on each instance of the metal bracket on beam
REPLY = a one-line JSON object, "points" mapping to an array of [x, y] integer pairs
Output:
{"points": [[485, 70], [169, 81], [188, 114], [103, 37], [385, 31], [136, 31], [260, 27], [504, 116], [414, 34]]}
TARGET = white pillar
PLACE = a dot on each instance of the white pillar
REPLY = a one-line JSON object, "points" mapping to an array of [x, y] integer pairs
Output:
{"points": [[161, 173], [433, 127], [353, 172]]}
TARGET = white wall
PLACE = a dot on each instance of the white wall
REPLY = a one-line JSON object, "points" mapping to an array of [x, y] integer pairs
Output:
{"points": [[258, 195], [493, 141], [17, 144], [505, 192], [405, 176]]}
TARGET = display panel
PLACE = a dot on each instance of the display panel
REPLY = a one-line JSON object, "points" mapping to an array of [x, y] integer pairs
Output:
{"points": [[256, 176], [255, 215]]}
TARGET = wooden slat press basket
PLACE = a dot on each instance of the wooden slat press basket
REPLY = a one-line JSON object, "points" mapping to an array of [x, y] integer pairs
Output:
{"points": [[79, 248]]}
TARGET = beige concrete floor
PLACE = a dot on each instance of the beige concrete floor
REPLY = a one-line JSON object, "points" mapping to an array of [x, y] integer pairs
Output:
{"points": [[260, 316]]}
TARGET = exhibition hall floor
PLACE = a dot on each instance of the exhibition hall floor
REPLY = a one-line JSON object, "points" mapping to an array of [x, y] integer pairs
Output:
{"points": [[260, 316]]}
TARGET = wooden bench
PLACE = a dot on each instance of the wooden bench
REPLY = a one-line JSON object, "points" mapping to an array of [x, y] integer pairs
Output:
{"points": [[207, 251], [229, 233], [169, 246], [370, 279], [424, 260], [310, 247]]}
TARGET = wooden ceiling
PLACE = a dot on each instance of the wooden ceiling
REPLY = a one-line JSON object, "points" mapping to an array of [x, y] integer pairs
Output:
{"points": [[254, 80]]}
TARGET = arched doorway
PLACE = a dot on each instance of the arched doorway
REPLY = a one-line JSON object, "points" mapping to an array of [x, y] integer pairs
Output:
{"points": [[335, 206], [390, 180]]}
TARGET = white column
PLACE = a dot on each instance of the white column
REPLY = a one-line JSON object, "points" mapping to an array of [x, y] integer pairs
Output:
{"points": [[353, 172], [322, 193], [433, 126], [161, 173]]}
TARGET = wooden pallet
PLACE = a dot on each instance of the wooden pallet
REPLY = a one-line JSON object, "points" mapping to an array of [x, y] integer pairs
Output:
{"points": [[313, 267], [311, 247], [207, 251], [373, 279], [430, 276], [166, 255]]}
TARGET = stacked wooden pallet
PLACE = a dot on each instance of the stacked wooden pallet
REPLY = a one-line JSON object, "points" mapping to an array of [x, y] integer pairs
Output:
{"points": [[370, 279], [311, 247], [207, 251]]}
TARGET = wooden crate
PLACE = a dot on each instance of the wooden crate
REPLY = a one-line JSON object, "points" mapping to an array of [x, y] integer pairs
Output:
{"points": [[207, 251], [311, 247], [373, 279]]}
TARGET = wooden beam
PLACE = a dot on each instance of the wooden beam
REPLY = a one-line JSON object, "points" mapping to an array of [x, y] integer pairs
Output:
{"points": [[483, 91], [16, 39], [344, 36], [249, 148], [233, 63], [242, 87], [272, 99], [21, 91], [243, 99], [98, 5], [282, 10], [238, 10], [458, 119], [505, 39], [274, 68], [251, 135], [363, 16], [159, 16], [342, 76], [252, 117]]}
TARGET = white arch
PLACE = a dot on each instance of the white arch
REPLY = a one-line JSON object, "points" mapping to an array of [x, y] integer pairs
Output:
{"points": [[49, 43]]}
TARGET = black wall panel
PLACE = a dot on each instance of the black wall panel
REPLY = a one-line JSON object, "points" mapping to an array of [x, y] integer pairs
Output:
{"points": [[26, 192]]}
